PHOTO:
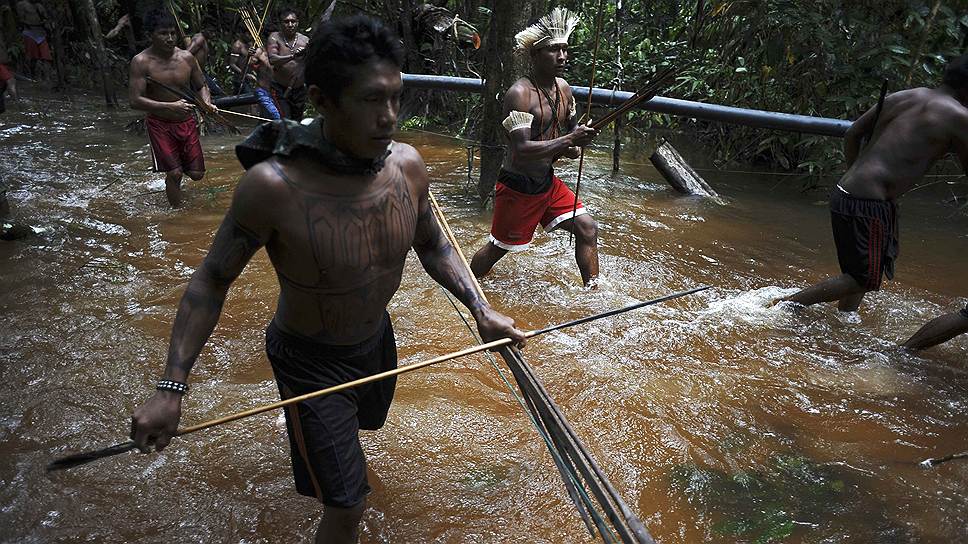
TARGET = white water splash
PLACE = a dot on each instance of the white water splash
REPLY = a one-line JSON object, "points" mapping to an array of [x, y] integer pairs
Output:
{"points": [[754, 307]]}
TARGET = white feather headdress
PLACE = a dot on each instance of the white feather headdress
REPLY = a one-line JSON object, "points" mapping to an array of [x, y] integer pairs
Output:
{"points": [[552, 29]]}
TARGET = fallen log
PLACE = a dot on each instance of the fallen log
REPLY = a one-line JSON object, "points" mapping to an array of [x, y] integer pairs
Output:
{"points": [[679, 174], [235, 100]]}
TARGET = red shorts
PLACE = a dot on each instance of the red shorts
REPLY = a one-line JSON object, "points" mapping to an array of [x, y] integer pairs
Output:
{"points": [[174, 145], [517, 214], [5, 73], [38, 51]]}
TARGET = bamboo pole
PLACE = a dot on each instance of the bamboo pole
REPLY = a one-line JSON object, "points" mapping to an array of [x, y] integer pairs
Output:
{"points": [[86, 457]]}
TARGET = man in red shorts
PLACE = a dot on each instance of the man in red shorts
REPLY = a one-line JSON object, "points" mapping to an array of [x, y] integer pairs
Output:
{"points": [[915, 128], [33, 16], [170, 123], [542, 126]]}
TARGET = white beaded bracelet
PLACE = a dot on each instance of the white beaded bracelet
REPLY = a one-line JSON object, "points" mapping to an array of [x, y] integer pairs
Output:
{"points": [[173, 386]]}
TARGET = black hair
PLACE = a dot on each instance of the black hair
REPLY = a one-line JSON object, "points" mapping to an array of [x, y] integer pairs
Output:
{"points": [[158, 18], [339, 45], [956, 73], [285, 11]]}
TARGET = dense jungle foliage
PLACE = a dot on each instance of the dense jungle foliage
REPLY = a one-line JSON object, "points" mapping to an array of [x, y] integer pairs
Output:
{"points": [[824, 57]]}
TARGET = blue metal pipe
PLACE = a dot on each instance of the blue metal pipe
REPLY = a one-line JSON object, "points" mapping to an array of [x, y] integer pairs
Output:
{"points": [[673, 106]]}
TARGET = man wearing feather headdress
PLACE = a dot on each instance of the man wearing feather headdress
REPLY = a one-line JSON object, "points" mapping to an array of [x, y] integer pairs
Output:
{"points": [[542, 126]]}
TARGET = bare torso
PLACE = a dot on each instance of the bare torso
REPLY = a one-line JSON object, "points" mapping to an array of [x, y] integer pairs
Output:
{"points": [[31, 14], [916, 127], [174, 71], [289, 74], [548, 123], [339, 244]]}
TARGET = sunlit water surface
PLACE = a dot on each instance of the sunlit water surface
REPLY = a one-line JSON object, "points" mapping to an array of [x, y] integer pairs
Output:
{"points": [[718, 418]]}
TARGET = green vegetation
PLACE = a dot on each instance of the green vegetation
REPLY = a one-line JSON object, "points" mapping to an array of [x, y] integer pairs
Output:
{"points": [[765, 505], [826, 57]]}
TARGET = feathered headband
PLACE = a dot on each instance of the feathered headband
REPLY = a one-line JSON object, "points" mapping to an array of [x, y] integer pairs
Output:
{"points": [[552, 29]]}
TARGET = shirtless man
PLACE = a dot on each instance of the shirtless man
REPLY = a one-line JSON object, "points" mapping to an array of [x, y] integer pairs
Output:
{"points": [[33, 15], [287, 51], [252, 62], [542, 126], [171, 126], [916, 128], [198, 46], [939, 330], [338, 205]]}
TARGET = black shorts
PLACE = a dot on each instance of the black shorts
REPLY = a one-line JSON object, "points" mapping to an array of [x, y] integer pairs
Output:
{"points": [[290, 100], [865, 232], [327, 459]]}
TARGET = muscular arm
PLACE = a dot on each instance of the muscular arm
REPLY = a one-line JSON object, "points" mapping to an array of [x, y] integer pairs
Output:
{"points": [[198, 41], [241, 234], [199, 84], [436, 254], [854, 137], [441, 261], [522, 146], [244, 230], [136, 89], [275, 59]]}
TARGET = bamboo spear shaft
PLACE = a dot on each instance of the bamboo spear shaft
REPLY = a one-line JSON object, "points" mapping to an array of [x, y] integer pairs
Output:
{"points": [[71, 461], [588, 111]]}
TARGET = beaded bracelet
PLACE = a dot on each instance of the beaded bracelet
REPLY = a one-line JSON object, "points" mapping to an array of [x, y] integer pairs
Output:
{"points": [[173, 386]]}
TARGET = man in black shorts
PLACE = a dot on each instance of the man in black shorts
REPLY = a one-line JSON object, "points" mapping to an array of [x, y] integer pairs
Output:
{"points": [[915, 128], [338, 205], [939, 330]]}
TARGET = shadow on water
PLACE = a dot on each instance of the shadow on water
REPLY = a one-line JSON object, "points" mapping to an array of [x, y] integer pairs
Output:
{"points": [[719, 418]]}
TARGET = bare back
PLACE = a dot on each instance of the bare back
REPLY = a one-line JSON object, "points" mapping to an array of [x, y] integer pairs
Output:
{"points": [[338, 243], [916, 128], [548, 123]]}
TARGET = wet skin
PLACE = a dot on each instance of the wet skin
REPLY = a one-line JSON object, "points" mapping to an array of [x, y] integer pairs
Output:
{"points": [[916, 127], [338, 243], [285, 50], [533, 156]]}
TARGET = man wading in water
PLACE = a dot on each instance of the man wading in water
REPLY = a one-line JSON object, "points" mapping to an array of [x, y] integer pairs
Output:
{"points": [[338, 205], [541, 123], [916, 128], [171, 126], [287, 51]]}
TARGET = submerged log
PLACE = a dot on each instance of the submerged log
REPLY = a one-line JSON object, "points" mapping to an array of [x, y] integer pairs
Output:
{"points": [[678, 173]]}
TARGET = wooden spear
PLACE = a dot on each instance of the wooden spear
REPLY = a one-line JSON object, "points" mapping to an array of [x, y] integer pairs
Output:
{"points": [[74, 460], [588, 110]]}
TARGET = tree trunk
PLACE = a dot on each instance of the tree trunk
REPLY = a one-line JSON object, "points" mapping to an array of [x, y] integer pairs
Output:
{"points": [[678, 173], [101, 58], [500, 71]]}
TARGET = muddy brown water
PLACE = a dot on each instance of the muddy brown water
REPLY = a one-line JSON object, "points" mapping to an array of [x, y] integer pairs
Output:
{"points": [[717, 418]]}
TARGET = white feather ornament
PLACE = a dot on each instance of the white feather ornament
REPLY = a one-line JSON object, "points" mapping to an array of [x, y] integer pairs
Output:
{"points": [[516, 120], [552, 29]]}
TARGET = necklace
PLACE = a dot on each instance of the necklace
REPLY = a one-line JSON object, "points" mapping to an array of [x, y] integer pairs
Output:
{"points": [[554, 127], [292, 45]]}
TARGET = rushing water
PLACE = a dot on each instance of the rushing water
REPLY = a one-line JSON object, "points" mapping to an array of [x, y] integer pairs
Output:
{"points": [[718, 418]]}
